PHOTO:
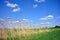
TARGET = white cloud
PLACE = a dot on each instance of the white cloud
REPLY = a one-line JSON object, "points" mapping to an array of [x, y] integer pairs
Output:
{"points": [[12, 5], [59, 16], [43, 19], [15, 21], [45, 23], [25, 19], [47, 17], [39, 1], [15, 7], [35, 5]]}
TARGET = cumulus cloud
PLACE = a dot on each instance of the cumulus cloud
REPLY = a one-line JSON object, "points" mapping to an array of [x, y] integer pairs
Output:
{"points": [[39, 1], [15, 7], [43, 19], [45, 23], [50, 16], [47, 17], [27, 20], [35, 5], [15, 21], [12, 5]]}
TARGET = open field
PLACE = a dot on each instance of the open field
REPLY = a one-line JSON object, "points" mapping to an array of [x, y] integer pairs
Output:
{"points": [[30, 34]]}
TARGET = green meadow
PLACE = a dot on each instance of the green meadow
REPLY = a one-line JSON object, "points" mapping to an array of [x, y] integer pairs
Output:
{"points": [[31, 34]]}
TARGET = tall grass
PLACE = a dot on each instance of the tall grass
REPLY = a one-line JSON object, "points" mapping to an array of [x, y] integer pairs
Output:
{"points": [[33, 34]]}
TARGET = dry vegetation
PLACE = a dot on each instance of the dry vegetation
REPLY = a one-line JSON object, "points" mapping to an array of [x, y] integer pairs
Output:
{"points": [[6, 33]]}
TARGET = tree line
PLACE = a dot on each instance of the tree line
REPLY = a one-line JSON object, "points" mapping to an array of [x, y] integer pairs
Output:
{"points": [[57, 26]]}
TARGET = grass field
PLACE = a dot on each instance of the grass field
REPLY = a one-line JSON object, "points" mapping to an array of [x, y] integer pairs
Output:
{"points": [[31, 34]]}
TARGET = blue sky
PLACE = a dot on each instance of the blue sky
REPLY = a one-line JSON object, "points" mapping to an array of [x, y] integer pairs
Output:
{"points": [[42, 12]]}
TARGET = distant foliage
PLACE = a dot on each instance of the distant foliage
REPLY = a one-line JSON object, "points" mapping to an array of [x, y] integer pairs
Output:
{"points": [[57, 26]]}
